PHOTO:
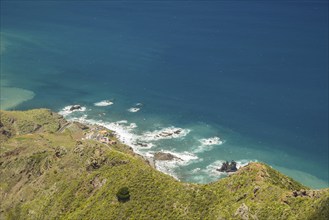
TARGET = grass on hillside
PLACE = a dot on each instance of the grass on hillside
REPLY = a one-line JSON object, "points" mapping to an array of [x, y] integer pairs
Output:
{"points": [[51, 175]]}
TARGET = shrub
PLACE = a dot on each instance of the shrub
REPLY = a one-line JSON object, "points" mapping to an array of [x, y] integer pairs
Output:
{"points": [[123, 194]]}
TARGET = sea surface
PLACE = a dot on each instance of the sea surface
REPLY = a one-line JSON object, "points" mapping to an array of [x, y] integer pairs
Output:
{"points": [[240, 80]]}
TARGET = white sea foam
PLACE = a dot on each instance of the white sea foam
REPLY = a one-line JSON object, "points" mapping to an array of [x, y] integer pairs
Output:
{"points": [[207, 144], [124, 124], [122, 129], [134, 109], [125, 133], [184, 157], [104, 103], [211, 141], [121, 122], [210, 173], [66, 110], [165, 133], [196, 170], [169, 166]]}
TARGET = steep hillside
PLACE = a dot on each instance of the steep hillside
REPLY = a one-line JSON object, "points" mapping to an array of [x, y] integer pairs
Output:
{"points": [[54, 169]]}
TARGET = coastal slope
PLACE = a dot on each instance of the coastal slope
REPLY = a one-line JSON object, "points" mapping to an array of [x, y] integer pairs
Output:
{"points": [[54, 169]]}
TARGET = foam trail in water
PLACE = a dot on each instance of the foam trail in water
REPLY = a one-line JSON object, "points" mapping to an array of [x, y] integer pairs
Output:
{"points": [[207, 144], [134, 109], [103, 103]]}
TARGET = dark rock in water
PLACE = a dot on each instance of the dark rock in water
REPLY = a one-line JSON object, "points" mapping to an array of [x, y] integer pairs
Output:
{"points": [[142, 144], [75, 107], [178, 131], [224, 167], [232, 167], [164, 156], [228, 167], [169, 133], [166, 134]]}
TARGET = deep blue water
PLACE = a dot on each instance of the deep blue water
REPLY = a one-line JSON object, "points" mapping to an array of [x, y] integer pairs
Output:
{"points": [[256, 72]]}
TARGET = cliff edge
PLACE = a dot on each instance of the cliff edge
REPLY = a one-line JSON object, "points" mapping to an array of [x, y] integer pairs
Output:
{"points": [[54, 169]]}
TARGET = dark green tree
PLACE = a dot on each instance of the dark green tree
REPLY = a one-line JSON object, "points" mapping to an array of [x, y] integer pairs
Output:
{"points": [[123, 194]]}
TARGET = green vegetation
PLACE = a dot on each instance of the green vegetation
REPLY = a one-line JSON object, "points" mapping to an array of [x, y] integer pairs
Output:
{"points": [[49, 170], [123, 194]]}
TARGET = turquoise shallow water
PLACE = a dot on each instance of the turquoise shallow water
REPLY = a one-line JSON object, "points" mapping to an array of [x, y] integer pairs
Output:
{"points": [[254, 75]]}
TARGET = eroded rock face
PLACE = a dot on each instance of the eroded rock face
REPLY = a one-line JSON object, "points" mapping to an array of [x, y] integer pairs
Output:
{"points": [[305, 193], [97, 182], [81, 126], [164, 156], [242, 212]]}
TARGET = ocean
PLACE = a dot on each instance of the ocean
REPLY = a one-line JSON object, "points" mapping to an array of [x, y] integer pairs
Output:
{"points": [[239, 80]]}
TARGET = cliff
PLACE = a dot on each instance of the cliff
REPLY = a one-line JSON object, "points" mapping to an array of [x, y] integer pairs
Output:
{"points": [[54, 169]]}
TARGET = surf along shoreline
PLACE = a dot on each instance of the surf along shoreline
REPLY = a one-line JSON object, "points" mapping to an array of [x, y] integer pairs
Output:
{"points": [[120, 132]]}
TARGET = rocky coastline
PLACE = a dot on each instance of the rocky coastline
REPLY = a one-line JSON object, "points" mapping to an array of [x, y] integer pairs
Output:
{"points": [[105, 136], [102, 134], [52, 168]]}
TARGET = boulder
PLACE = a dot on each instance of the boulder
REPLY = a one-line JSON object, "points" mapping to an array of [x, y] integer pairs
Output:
{"points": [[75, 107], [178, 131], [142, 144], [164, 156], [228, 167], [242, 212], [97, 183], [166, 134]]}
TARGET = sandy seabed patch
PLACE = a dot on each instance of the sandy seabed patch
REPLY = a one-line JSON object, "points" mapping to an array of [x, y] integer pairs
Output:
{"points": [[12, 96]]}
